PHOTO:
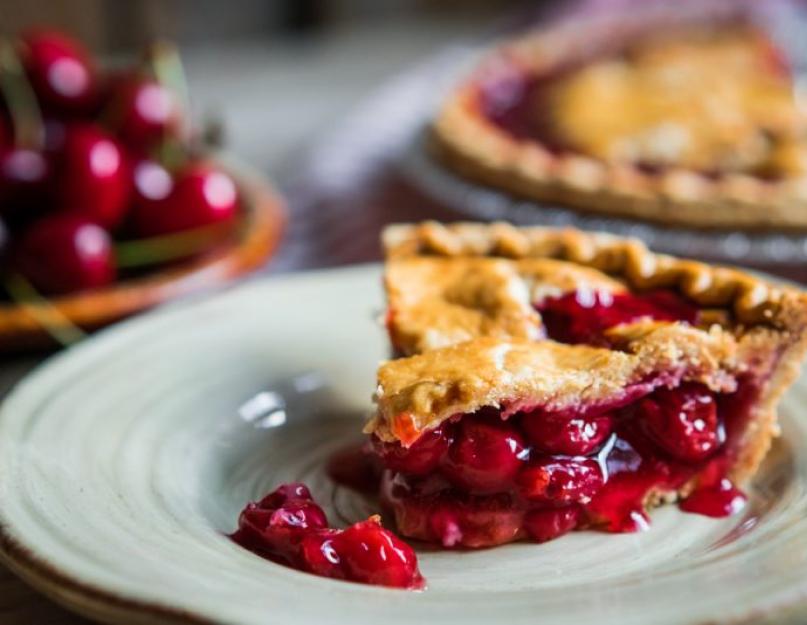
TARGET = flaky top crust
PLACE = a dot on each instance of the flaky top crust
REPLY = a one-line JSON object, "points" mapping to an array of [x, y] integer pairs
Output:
{"points": [[439, 301], [751, 300], [418, 393]]}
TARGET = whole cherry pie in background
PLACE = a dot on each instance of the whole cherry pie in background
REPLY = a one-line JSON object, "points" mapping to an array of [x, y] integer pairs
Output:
{"points": [[673, 116]]}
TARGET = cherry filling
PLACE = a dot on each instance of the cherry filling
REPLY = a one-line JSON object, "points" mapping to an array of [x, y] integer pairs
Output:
{"points": [[488, 478], [519, 104], [288, 527], [584, 316]]}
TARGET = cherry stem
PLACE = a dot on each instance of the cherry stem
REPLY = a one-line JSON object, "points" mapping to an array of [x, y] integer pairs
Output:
{"points": [[166, 63], [20, 98], [52, 320], [161, 249]]}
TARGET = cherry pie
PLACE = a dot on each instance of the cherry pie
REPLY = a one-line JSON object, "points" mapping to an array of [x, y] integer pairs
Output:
{"points": [[648, 117], [554, 379]]}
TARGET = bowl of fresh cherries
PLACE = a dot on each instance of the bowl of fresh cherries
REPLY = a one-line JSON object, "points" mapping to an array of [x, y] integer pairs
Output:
{"points": [[110, 200]]}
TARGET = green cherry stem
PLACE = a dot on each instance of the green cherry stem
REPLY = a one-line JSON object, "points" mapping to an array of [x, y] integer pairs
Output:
{"points": [[169, 247], [23, 107], [166, 63], [52, 320]]}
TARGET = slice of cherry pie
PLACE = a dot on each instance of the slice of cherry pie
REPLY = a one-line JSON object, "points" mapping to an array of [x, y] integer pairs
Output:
{"points": [[663, 115], [555, 379]]}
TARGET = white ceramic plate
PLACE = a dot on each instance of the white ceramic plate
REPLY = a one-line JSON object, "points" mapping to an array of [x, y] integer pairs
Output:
{"points": [[124, 461]]}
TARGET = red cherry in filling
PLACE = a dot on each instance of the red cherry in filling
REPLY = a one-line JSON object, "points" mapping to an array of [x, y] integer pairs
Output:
{"points": [[144, 112], [486, 455], [61, 72], [565, 434], [292, 491], [682, 421], [544, 525], [94, 180], [583, 316], [317, 554], [201, 195], [560, 481], [421, 458], [65, 253], [373, 555], [298, 515]]}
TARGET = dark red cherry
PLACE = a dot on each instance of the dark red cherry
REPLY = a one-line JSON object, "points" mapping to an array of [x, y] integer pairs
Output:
{"points": [[544, 525], [292, 491], [61, 72], [682, 421], [144, 112], [421, 458], [564, 434], [65, 253], [371, 554], [25, 176], [486, 454], [202, 195], [298, 515], [560, 481], [317, 554], [94, 179]]}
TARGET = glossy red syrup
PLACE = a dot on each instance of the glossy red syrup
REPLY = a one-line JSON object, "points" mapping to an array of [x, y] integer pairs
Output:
{"points": [[719, 500], [584, 316], [288, 527]]}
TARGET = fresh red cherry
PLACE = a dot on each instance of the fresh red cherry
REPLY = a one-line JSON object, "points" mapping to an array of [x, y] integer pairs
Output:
{"points": [[565, 434], [65, 253], [61, 72], [486, 455], [682, 421], [421, 458], [94, 179], [25, 176], [545, 525], [560, 481], [144, 112], [202, 195], [371, 554]]}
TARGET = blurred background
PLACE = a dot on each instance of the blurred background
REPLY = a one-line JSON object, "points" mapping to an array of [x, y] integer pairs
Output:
{"points": [[278, 71]]}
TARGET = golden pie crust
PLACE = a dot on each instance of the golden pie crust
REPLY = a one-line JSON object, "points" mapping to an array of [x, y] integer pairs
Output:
{"points": [[767, 132], [473, 349]]}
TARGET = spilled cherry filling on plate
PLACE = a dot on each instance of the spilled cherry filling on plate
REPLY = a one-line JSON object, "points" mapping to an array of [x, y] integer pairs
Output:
{"points": [[288, 527]]}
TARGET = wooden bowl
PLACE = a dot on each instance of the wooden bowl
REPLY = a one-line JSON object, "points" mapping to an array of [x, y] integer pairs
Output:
{"points": [[21, 326]]}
